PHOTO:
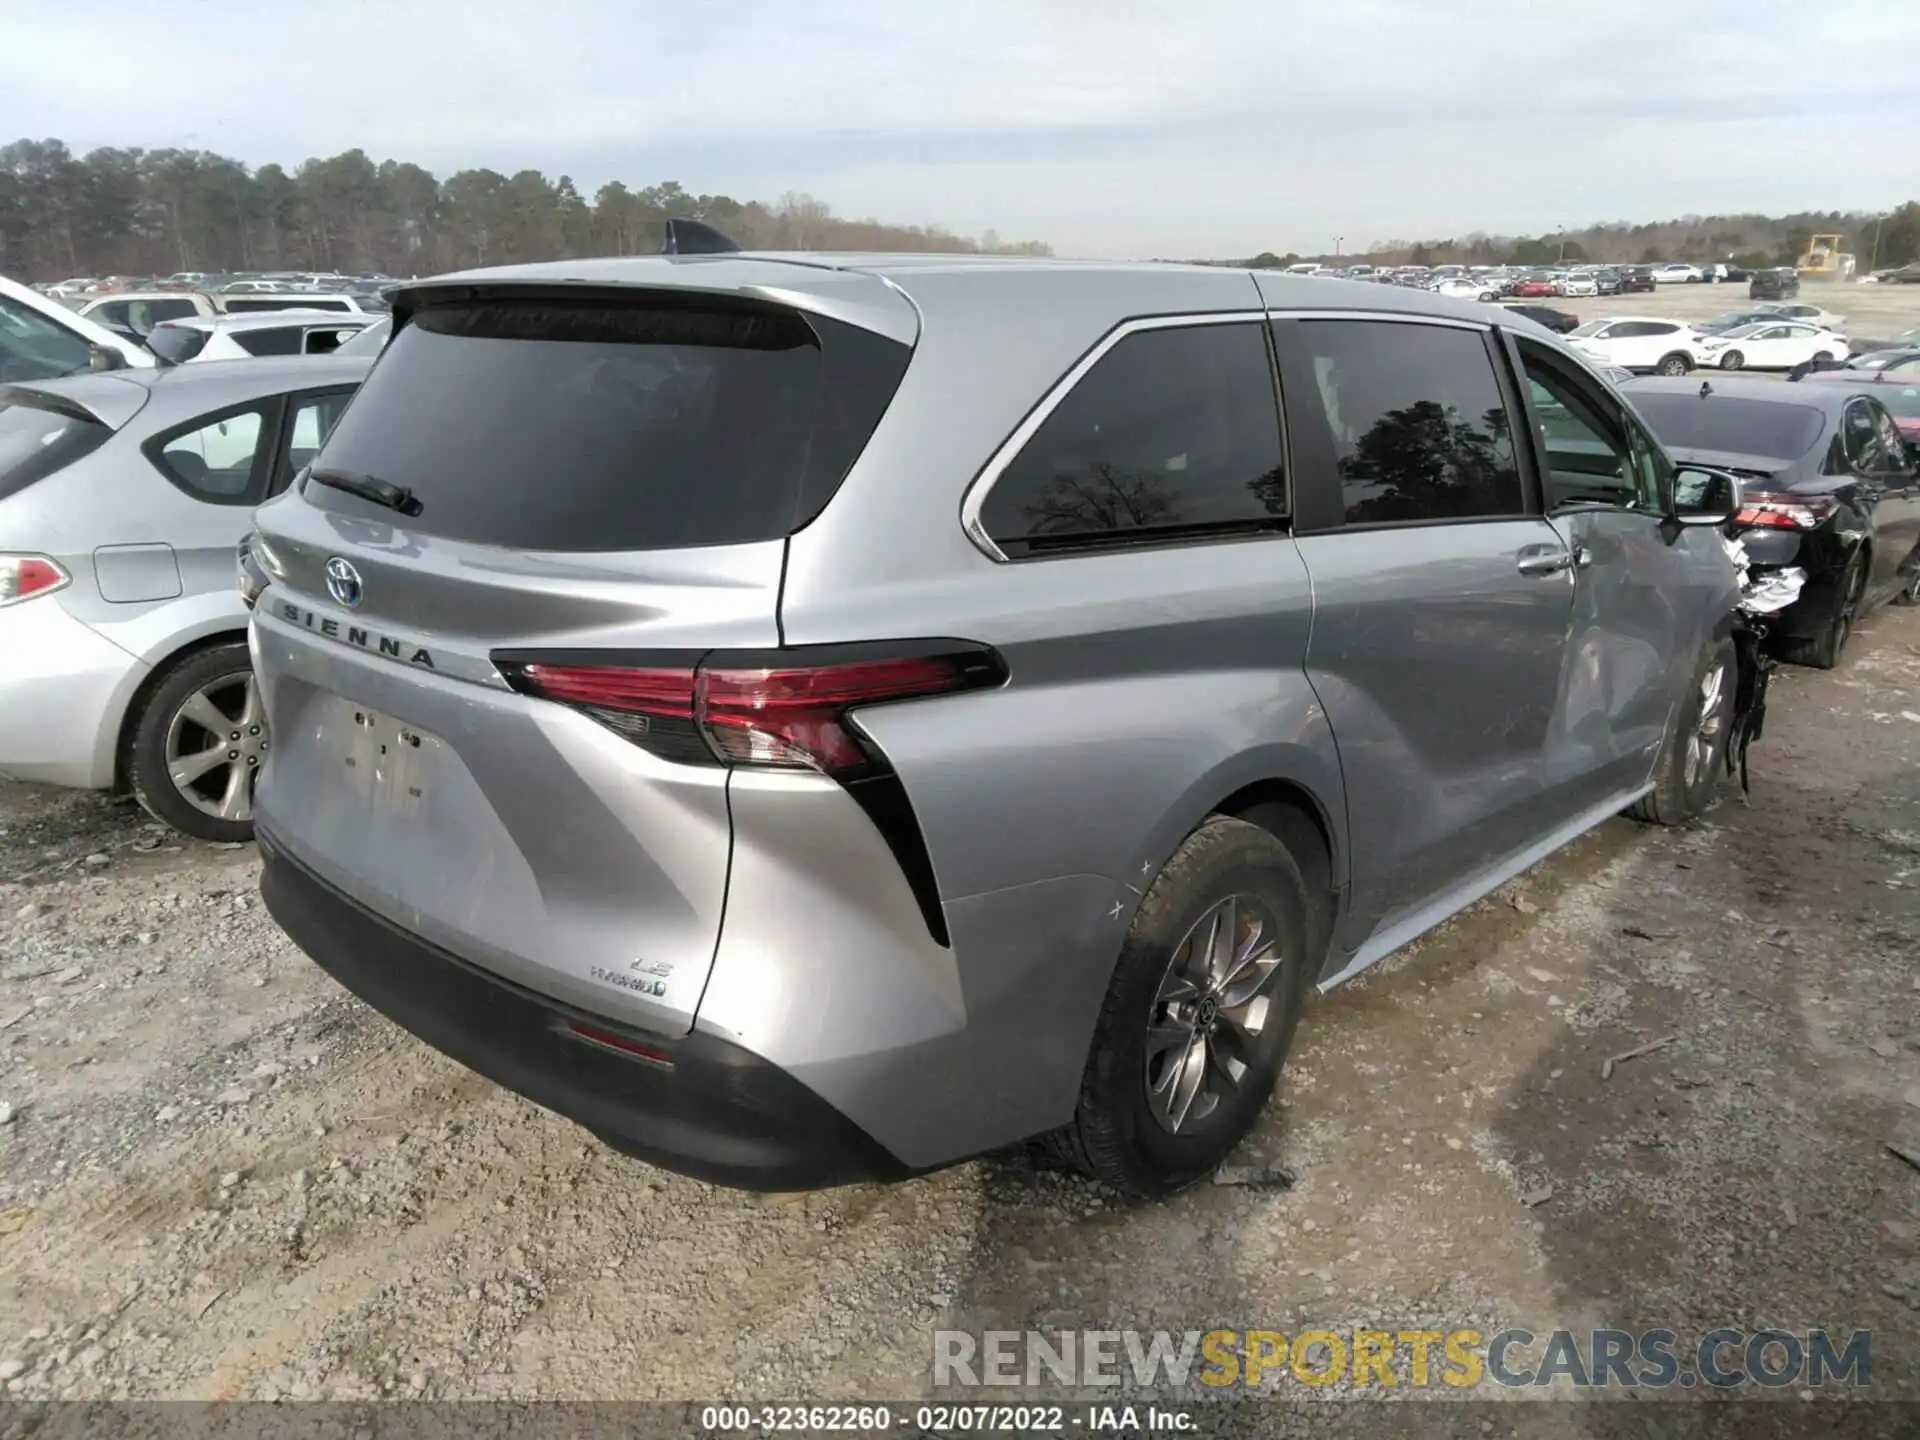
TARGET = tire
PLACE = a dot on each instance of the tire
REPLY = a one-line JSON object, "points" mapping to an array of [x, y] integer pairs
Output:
{"points": [[1836, 357], [1824, 650], [1674, 364], [1686, 775], [176, 722], [1910, 592], [1732, 360], [1119, 1134]]}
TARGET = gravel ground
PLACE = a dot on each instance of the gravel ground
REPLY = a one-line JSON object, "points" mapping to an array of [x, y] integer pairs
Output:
{"points": [[222, 1177]]}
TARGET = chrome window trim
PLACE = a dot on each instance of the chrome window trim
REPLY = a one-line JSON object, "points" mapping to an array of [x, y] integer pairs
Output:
{"points": [[975, 498]]}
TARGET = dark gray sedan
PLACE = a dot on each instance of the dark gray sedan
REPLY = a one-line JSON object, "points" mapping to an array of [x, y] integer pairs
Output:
{"points": [[1823, 459]]}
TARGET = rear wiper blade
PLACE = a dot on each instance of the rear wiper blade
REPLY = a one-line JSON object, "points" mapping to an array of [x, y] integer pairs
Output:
{"points": [[368, 487]]}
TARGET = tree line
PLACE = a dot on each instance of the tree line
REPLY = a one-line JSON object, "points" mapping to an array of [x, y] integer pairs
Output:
{"points": [[1878, 240], [120, 211]]}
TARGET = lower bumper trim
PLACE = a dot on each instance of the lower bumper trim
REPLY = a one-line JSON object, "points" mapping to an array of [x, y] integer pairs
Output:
{"points": [[704, 1107]]}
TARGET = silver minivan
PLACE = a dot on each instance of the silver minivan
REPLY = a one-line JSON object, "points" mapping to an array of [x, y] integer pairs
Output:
{"points": [[817, 718]]}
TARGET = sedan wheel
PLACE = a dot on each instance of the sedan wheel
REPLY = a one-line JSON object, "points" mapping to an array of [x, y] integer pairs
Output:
{"points": [[1732, 360], [215, 744], [199, 742]]}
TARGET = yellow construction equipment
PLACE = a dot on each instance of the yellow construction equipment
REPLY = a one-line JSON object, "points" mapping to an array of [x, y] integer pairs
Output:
{"points": [[1825, 260]]}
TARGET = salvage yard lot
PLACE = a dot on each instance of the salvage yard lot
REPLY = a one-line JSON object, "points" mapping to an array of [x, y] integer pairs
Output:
{"points": [[1872, 312], [220, 1176]]}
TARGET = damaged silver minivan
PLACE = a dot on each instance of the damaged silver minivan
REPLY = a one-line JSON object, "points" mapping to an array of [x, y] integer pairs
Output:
{"points": [[816, 718]]}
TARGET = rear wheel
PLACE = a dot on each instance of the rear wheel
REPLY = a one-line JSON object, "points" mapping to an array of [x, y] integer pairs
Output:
{"points": [[1910, 592], [1198, 1016], [1823, 651], [1695, 749], [198, 744], [1732, 360], [1674, 364]]}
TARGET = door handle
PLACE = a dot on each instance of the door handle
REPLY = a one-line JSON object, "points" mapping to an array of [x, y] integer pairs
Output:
{"points": [[1550, 564]]}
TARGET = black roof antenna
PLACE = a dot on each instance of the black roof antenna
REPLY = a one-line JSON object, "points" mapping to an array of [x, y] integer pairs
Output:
{"points": [[695, 237], [1706, 388]]}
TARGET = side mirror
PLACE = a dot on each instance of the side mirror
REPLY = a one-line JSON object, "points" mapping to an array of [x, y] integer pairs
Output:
{"points": [[104, 357], [1706, 497]]}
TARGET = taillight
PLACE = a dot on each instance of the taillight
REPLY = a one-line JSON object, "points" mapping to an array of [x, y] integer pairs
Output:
{"points": [[24, 576], [1783, 510], [786, 713]]}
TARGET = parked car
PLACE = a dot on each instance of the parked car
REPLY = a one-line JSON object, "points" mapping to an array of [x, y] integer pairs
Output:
{"points": [[1905, 340], [1887, 360], [123, 658], [1558, 321], [1821, 458], [1779, 283], [1733, 320], [1770, 346], [1637, 280], [1537, 284], [1676, 272], [1713, 273], [1807, 315], [252, 287], [41, 338], [1465, 288], [1908, 274], [242, 337], [1606, 282], [1578, 284], [1637, 343], [138, 311], [289, 299], [608, 759], [1898, 391]]}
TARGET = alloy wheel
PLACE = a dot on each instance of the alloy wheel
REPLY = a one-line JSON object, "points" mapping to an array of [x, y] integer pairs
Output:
{"points": [[216, 742], [1211, 1010]]}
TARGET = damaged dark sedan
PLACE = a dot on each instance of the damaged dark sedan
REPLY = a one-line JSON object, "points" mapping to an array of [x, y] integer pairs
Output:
{"points": [[1822, 460]]}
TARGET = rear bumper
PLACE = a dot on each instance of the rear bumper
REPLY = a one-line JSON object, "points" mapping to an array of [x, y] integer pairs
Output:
{"points": [[713, 1110], [63, 689]]}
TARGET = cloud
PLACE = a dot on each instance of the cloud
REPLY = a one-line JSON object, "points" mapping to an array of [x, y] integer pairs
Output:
{"points": [[1125, 127]]}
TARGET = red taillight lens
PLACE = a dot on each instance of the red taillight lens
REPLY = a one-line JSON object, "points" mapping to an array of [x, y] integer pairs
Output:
{"points": [[1783, 510], [24, 576], [594, 1035], [788, 715]]}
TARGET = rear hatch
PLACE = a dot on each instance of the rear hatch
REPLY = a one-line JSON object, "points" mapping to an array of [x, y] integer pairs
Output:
{"points": [[580, 493]]}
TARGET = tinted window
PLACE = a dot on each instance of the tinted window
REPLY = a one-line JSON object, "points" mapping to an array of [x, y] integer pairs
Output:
{"points": [[1861, 436], [1735, 425], [270, 340], [1171, 429], [313, 420], [213, 461], [177, 344], [1420, 431], [588, 426], [1902, 400], [35, 442], [1589, 458], [32, 347]]}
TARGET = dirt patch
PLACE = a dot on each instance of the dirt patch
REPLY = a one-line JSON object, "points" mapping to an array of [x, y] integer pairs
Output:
{"points": [[221, 1176]]}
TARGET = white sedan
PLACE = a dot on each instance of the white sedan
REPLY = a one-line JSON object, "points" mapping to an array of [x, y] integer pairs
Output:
{"points": [[1805, 314], [1461, 287], [1676, 272], [1769, 347]]}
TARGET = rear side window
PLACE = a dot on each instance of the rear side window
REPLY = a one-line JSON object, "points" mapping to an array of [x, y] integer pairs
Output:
{"points": [[588, 425], [35, 442], [1172, 432], [273, 340], [177, 344], [1420, 430], [214, 460]]}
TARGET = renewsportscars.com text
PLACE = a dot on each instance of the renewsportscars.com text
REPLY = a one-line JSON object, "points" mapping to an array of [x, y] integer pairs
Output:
{"points": [[1463, 1359]]}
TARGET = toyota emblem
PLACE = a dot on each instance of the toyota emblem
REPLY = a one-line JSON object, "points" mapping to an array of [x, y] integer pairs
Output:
{"points": [[343, 582]]}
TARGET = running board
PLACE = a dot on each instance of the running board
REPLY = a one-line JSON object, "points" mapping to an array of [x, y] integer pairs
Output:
{"points": [[1385, 941]]}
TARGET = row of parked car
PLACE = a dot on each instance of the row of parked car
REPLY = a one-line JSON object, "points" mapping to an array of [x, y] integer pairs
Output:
{"points": [[814, 718], [1499, 282]]}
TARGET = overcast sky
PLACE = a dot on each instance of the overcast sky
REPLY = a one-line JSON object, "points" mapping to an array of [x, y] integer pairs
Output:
{"points": [[1107, 127]]}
